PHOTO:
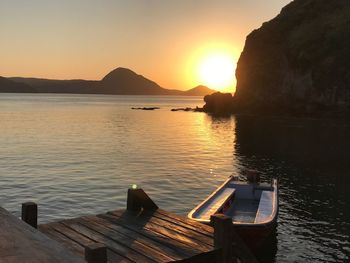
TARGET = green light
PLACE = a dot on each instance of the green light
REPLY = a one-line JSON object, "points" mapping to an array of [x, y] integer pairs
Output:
{"points": [[134, 186]]}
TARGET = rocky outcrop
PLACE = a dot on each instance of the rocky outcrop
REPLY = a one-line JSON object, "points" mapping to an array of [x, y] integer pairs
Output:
{"points": [[218, 103], [299, 62]]}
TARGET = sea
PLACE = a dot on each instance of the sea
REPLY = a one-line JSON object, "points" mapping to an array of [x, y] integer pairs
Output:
{"points": [[78, 154]]}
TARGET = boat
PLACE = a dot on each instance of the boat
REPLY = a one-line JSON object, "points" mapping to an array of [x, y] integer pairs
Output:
{"points": [[252, 205]]}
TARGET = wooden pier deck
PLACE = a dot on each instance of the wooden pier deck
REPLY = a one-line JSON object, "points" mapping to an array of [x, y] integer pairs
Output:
{"points": [[147, 236], [141, 233], [19, 242]]}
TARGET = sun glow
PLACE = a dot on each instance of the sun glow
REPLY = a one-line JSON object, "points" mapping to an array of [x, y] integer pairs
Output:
{"points": [[214, 66], [217, 71]]}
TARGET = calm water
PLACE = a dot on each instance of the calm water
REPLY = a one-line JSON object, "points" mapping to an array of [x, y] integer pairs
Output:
{"points": [[78, 154]]}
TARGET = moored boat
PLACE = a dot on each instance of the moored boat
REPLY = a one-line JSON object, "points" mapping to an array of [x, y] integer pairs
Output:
{"points": [[253, 207]]}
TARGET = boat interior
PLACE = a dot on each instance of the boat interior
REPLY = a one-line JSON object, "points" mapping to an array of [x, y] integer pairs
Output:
{"points": [[245, 203]]}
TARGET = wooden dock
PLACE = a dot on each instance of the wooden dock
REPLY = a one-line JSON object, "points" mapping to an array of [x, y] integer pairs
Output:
{"points": [[137, 237], [140, 233], [19, 242]]}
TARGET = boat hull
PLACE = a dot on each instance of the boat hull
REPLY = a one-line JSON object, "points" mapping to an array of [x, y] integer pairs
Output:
{"points": [[255, 236], [253, 222]]}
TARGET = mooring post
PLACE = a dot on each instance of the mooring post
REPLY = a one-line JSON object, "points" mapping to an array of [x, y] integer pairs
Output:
{"points": [[223, 237], [137, 199], [30, 214], [96, 253]]}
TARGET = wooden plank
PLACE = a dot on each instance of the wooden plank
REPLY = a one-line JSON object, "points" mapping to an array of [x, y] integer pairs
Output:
{"points": [[125, 251], [20, 242], [82, 240], [180, 229], [122, 239], [205, 229], [73, 246], [159, 247], [201, 240], [71, 234], [197, 227], [182, 249], [127, 217]]}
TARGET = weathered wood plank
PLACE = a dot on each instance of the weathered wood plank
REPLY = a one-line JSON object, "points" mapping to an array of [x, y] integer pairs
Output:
{"points": [[71, 234], [182, 249], [120, 249], [128, 217], [86, 241], [205, 229], [72, 245], [189, 232], [20, 242], [122, 239], [170, 230], [183, 224], [159, 247]]}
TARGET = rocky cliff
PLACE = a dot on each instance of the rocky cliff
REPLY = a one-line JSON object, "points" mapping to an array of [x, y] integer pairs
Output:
{"points": [[298, 63]]}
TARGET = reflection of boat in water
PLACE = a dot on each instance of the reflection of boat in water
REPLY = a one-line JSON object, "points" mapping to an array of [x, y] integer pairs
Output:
{"points": [[253, 207]]}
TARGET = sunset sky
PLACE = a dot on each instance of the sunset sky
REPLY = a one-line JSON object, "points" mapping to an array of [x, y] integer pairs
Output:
{"points": [[173, 42]]}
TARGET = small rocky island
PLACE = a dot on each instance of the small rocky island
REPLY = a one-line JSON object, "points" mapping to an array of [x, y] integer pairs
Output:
{"points": [[296, 64]]}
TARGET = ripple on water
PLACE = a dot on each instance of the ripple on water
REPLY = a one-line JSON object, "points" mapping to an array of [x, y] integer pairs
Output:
{"points": [[78, 154]]}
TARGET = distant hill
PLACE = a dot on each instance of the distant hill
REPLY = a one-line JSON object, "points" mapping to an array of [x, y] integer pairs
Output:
{"points": [[199, 91], [7, 85], [120, 81], [126, 82], [59, 86]]}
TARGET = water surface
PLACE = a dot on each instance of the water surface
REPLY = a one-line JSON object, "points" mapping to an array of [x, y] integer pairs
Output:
{"points": [[78, 154]]}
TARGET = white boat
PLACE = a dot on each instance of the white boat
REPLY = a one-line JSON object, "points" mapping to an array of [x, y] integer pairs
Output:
{"points": [[253, 207]]}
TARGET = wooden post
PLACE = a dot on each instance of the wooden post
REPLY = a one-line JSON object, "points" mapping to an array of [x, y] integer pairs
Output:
{"points": [[223, 236], [30, 214], [96, 253], [138, 199]]}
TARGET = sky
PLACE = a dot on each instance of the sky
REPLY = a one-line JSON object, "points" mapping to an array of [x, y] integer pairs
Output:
{"points": [[172, 42]]}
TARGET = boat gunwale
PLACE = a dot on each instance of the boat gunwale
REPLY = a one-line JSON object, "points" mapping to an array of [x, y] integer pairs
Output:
{"points": [[267, 223]]}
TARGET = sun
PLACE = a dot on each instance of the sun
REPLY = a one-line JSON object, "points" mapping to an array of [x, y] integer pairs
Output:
{"points": [[217, 71], [212, 64]]}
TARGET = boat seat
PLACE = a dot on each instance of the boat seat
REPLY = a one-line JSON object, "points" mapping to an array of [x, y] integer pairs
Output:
{"points": [[218, 202], [265, 208]]}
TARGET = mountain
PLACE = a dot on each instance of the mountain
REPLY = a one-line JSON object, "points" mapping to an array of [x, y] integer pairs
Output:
{"points": [[199, 91], [298, 63], [121, 81], [126, 82], [7, 85], [59, 86]]}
